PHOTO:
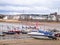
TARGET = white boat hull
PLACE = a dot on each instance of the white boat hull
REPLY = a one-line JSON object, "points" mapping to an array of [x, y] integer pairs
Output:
{"points": [[41, 37], [38, 35]]}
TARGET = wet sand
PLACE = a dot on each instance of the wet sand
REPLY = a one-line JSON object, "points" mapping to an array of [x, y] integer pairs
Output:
{"points": [[29, 42]]}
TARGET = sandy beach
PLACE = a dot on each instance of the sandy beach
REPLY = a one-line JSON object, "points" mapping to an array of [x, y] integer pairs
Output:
{"points": [[29, 42]]}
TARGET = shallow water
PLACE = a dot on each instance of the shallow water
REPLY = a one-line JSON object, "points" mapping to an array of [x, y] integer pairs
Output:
{"points": [[11, 26], [23, 36], [18, 26]]}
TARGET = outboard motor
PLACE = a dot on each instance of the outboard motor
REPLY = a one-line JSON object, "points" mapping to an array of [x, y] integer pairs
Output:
{"points": [[53, 37]]}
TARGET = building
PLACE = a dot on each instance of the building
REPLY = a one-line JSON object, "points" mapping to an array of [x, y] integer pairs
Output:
{"points": [[45, 17]]}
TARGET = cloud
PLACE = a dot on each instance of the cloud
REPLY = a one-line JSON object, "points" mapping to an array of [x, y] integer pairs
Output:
{"points": [[29, 6]]}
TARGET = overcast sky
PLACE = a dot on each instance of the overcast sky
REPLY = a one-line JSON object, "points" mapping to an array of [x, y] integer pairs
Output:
{"points": [[29, 6]]}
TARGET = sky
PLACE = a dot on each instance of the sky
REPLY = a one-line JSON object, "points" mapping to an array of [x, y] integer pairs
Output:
{"points": [[29, 6]]}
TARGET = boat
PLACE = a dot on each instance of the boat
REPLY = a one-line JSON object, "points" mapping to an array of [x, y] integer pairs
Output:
{"points": [[42, 34]]}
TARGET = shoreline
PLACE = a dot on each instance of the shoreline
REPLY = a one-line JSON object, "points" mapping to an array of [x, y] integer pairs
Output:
{"points": [[16, 21]]}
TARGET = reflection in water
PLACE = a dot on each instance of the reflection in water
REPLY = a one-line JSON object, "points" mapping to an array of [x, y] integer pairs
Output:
{"points": [[10, 26]]}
